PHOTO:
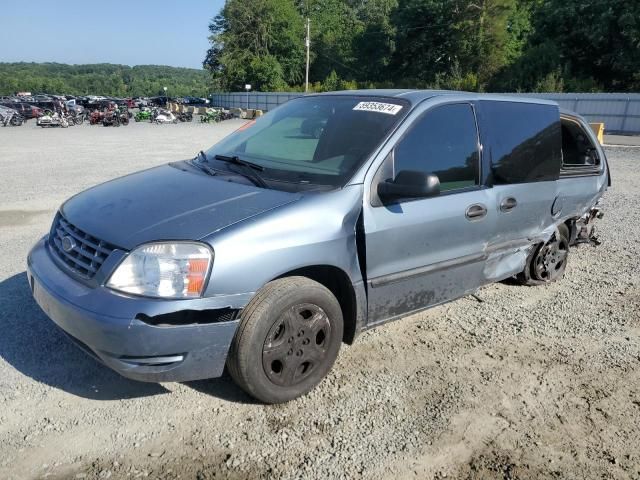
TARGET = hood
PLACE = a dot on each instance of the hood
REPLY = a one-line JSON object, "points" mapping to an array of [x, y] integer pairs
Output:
{"points": [[166, 203]]}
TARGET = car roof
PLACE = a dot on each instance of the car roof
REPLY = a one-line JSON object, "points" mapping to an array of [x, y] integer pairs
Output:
{"points": [[571, 113], [417, 96]]}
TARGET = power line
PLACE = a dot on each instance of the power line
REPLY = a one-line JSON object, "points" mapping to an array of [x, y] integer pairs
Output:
{"points": [[409, 29], [422, 27], [339, 63]]}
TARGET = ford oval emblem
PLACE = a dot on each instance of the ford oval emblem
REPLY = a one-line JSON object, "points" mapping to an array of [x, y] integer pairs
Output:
{"points": [[68, 243]]}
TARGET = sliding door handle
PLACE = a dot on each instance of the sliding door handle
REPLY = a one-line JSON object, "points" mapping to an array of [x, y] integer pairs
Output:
{"points": [[476, 212], [508, 204]]}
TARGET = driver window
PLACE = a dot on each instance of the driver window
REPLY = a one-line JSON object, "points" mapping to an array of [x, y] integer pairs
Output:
{"points": [[444, 142]]}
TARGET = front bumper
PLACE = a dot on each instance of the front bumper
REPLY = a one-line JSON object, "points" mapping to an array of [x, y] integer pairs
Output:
{"points": [[104, 324]]}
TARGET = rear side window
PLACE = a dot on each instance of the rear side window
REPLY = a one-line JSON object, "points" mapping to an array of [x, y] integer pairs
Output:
{"points": [[443, 142], [578, 151], [524, 141]]}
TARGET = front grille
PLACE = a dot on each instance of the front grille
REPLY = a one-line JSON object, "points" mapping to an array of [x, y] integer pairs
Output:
{"points": [[85, 254]]}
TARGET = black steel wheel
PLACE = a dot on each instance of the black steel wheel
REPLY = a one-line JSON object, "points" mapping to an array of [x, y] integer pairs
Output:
{"points": [[287, 341], [296, 344], [548, 262]]}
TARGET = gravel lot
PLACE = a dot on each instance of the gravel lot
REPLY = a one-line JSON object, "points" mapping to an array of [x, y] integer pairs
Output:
{"points": [[526, 383]]}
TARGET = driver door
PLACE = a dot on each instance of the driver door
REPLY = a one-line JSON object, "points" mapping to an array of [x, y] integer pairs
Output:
{"points": [[425, 251]]}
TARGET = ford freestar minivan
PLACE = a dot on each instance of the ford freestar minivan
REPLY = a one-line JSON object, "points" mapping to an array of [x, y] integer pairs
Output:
{"points": [[330, 215]]}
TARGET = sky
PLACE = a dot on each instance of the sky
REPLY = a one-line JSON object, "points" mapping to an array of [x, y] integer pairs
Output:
{"points": [[129, 32]]}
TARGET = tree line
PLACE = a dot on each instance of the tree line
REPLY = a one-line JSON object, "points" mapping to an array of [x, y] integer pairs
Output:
{"points": [[479, 45], [103, 79]]}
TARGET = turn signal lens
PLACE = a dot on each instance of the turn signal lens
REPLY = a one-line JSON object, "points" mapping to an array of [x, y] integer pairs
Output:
{"points": [[197, 275]]}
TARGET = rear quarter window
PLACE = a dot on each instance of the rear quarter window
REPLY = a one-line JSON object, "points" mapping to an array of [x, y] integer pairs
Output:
{"points": [[579, 153], [523, 141]]}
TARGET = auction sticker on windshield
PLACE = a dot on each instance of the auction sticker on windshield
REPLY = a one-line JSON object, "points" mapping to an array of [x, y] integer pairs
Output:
{"points": [[388, 108]]}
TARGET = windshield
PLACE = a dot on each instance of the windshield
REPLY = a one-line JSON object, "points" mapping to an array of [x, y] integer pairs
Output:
{"points": [[318, 140]]}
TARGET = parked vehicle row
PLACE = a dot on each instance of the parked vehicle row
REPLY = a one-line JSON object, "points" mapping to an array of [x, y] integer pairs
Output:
{"points": [[65, 111], [33, 106]]}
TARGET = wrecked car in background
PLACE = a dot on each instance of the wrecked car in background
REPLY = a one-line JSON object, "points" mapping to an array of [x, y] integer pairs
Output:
{"points": [[332, 214]]}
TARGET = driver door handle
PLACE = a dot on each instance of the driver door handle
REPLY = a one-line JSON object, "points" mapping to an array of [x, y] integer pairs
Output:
{"points": [[508, 204], [476, 212]]}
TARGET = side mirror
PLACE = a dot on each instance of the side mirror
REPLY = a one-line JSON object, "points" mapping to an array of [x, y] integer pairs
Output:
{"points": [[410, 184]]}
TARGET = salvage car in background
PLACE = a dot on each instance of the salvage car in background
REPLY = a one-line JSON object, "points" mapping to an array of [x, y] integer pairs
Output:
{"points": [[9, 116], [330, 215], [26, 110]]}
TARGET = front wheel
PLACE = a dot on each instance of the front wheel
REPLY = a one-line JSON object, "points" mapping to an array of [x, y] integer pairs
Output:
{"points": [[287, 341], [548, 262]]}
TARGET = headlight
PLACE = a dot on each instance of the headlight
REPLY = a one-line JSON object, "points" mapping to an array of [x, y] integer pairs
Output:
{"points": [[164, 270]]}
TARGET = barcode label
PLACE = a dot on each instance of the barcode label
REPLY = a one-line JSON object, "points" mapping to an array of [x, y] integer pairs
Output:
{"points": [[388, 108]]}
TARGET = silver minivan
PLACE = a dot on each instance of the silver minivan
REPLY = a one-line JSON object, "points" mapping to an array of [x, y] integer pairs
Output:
{"points": [[328, 216]]}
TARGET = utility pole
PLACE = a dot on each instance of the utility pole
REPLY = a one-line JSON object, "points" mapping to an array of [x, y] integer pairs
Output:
{"points": [[308, 44]]}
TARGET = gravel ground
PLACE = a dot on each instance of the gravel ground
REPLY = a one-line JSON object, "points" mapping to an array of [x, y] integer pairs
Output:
{"points": [[539, 382]]}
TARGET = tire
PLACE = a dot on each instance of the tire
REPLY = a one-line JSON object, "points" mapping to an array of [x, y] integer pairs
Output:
{"points": [[547, 263], [276, 354]]}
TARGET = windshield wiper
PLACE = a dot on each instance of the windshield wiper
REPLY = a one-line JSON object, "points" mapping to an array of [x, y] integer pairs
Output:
{"points": [[202, 165], [201, 155], [248, 168], [238, 161]]}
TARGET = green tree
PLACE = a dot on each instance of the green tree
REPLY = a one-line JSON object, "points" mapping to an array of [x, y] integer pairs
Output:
{"points": [[430, 40], [580, 45], [333, 26], [101, 79], [258, 42], [374, 44], [504, 45], [456, 42], [489, 41]]}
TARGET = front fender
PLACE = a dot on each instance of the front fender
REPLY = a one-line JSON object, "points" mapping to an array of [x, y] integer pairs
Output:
{"points": [[320, 229]]}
